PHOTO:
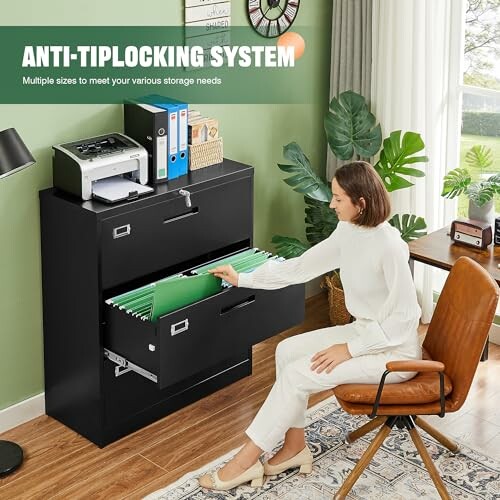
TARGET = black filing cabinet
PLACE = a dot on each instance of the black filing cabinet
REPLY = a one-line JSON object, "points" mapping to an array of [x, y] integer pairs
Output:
{"points": [[108, 373]]}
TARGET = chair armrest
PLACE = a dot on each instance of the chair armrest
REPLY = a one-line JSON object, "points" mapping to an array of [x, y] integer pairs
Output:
{"points": [[412, 365], [415, 365]]}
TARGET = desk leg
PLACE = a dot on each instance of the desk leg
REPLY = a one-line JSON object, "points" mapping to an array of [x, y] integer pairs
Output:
{"points": [[484, 356]]}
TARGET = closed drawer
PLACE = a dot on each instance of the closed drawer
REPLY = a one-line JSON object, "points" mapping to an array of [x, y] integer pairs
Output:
{"points": [[146, 240], [195, 338]]}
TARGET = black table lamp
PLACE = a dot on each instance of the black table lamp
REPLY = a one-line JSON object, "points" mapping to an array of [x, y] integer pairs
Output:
{"points": [[14, 156]]}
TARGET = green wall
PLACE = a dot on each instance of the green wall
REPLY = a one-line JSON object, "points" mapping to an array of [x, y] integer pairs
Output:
{"points": [[252, 134]]}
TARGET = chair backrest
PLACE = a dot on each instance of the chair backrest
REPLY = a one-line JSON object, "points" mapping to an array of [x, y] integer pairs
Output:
{"points": [[459, 327]]}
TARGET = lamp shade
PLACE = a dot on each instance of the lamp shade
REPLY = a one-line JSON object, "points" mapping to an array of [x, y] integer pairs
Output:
{"points": [[14, 155]]}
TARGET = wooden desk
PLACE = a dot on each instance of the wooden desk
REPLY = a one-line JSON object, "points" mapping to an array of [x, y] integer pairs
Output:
{"points": [[436, 249]]}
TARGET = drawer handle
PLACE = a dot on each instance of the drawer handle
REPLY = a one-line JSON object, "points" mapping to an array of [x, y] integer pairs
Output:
{"points": [[180, 327], [193, 211], [119, 232], [243, 303]]}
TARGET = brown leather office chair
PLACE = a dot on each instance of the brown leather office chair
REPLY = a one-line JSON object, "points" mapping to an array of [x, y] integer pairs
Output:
{"points": [[452, 348]]}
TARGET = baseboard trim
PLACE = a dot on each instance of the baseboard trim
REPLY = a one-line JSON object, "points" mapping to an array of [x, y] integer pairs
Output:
{"points": [[22, 412]]}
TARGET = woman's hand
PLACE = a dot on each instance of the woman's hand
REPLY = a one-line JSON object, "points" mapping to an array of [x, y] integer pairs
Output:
{"points": [[329, 358], [227, 273]]}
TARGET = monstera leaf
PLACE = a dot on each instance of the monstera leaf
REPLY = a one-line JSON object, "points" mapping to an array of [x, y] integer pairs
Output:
{"points": [[320, 220], [350, 127], [495, 181], [456, 182], [481, 192], [479, 157], [288, 247], [459, 181], [411, 227], [304, 180], [397, 153]]}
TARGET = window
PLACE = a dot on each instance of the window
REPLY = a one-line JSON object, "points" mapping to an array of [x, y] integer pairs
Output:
{"points": [[474, 100], [480, 92]]}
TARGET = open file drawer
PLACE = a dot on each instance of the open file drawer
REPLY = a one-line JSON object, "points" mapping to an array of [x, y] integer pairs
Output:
{"points": [[193, 338]]}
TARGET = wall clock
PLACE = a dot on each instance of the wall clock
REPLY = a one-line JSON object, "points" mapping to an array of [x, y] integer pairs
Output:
{"points": [[271, 18]]}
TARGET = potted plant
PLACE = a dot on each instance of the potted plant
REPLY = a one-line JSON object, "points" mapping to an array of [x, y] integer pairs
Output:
{"points": [[481, 193], [352, 133]]}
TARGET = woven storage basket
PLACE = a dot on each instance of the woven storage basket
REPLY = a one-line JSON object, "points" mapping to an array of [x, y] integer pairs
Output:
{"points": [[205, 154], [339, 315]]}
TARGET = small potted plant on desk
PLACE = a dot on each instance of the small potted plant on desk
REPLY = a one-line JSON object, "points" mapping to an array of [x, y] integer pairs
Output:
{"points": [[480, 193], [352, 134]]}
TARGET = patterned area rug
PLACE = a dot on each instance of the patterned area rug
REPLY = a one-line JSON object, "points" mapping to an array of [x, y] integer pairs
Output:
{"points": [[396, 472]]}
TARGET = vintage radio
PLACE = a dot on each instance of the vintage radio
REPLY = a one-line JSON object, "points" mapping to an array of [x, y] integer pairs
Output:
{"points": [[472, 233]]}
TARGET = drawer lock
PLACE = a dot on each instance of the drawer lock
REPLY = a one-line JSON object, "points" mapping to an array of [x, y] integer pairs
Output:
{"points": [[187, 196], [180, 327]]}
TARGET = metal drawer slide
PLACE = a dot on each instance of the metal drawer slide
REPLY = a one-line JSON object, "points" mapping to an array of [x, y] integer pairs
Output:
{"points": [[124, 366]]}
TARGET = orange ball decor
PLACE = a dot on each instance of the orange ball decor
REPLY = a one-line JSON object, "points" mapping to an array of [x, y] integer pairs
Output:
{"points": [[292, 39]]}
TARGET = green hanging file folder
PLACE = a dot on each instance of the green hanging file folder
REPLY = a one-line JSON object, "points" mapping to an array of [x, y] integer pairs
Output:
{"points": [[181, 292], [226, 260]]}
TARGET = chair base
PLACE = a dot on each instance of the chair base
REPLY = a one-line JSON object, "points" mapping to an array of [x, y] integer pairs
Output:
{"points": [[452, 446], [432, 431], [387, 423]]}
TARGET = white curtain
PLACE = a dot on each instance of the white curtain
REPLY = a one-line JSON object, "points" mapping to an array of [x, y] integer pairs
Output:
{"points": [[415, 75]]}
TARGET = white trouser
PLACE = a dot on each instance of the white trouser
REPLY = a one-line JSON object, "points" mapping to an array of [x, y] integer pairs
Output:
{"points": [[286, 404]]}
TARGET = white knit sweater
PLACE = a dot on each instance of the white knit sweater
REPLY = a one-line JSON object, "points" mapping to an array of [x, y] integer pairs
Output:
{"points": [[378, 286]]}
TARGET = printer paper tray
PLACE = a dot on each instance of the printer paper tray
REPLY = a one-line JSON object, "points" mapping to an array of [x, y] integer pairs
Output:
{"points": [[117, 188]]}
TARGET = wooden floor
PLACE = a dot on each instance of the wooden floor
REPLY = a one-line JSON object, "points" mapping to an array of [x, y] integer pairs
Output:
{"points": [[61, 464]]}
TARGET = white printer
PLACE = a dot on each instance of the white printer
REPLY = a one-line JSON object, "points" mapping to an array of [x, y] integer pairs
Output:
{"points": [[110, 167]]}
